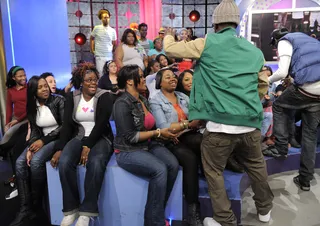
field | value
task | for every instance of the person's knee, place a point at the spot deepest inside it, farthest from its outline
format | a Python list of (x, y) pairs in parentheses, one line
[(65, 162), (268, 115), (159, 171), (98, 162), (173, 165), (21, 162), (36, 164)]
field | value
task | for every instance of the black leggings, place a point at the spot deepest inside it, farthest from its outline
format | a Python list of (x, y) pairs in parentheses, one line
[(189, 156)]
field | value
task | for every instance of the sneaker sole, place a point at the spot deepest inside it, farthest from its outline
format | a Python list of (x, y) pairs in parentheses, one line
[(300, 186), (12, 195)]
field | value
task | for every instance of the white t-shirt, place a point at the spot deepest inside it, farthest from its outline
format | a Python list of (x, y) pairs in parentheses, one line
[(151, 84), (285, 51), (103, 37), (85, 115), (45, 119)]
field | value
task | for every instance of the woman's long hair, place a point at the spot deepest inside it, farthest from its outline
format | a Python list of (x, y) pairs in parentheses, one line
[(180, 87), (12, 72), (32, 98)]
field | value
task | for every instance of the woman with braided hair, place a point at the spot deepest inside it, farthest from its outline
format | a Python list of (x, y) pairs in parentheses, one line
[(86, 138)]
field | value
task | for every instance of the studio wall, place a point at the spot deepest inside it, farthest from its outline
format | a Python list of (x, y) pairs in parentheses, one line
[(36, 37)]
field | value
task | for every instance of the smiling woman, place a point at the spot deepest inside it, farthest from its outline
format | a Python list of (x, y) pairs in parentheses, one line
[(86, 138), (45, 113)]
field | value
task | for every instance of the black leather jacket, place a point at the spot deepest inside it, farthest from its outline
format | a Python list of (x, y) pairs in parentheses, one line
[(56, 105)]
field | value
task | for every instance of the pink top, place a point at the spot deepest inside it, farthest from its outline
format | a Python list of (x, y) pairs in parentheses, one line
[(149, 122)]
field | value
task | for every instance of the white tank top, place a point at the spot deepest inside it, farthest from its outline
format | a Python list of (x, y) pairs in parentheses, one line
[(133, 55)]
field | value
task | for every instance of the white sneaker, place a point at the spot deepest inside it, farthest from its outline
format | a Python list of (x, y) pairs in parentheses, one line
[(209, 221), (69, 219), (83, 221), (13, 194), (265, 218)]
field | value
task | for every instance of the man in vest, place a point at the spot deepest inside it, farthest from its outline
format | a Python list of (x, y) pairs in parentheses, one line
[(225, 94), (299, 57)]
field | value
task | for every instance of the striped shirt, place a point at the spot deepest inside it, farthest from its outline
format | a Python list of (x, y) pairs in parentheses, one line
[(103, 37)]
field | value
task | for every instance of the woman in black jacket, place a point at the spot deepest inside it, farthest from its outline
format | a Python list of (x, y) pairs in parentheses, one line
[(86, 138), (45, 112)]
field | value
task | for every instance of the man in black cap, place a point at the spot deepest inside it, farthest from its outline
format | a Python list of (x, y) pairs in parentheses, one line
[(299, 57)]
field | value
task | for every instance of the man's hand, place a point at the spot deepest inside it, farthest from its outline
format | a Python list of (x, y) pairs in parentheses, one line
[(35, 146), (170, 31)]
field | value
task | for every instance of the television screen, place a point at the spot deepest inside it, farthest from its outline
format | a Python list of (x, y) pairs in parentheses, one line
[(263, 24)]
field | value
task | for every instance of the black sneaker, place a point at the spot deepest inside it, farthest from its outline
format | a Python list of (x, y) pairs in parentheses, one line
[(294, 143), (303, 185)]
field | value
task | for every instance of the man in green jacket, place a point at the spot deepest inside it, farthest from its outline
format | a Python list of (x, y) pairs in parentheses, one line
[(226, 93)]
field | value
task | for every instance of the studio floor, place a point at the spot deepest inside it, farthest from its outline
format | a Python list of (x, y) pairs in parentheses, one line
[(292, 207)]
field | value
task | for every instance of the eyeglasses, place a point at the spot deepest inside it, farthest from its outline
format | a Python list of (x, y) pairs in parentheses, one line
[(91, 80)]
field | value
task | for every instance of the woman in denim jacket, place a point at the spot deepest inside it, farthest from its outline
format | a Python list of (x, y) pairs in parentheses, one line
[(170, 109), (135, 149)]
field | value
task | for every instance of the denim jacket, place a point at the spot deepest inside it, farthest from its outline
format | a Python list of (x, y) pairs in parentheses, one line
[(164, 112), (129, 116)]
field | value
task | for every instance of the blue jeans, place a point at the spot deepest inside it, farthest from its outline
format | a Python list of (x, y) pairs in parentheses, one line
[(37, 163), (266, 122), (98, 159), (161, 168)]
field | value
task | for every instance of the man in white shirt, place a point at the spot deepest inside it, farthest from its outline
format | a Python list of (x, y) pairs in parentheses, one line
[(299, 57), (103, 40)]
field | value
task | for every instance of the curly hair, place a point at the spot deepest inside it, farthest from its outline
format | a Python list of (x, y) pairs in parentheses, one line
[(79, 72), (103, 11)]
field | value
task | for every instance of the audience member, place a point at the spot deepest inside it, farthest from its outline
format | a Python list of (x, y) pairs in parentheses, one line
[(190, 34), (135, 144), (86, 138), (45, 114), (153, 67), (103, 40), (49, 77), (130, 51), (147, 44), (15, 105), (153, 53), (170, 110), (16, 127)]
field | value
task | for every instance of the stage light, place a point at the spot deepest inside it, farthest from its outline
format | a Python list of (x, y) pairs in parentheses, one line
[(172, 16), (194, 16), (80, 39)]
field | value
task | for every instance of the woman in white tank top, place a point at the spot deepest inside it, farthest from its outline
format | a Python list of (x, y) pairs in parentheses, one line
[(130, 51)]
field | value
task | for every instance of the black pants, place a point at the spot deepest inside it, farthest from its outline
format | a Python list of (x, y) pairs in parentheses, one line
[(188, 153), (293, 99)]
